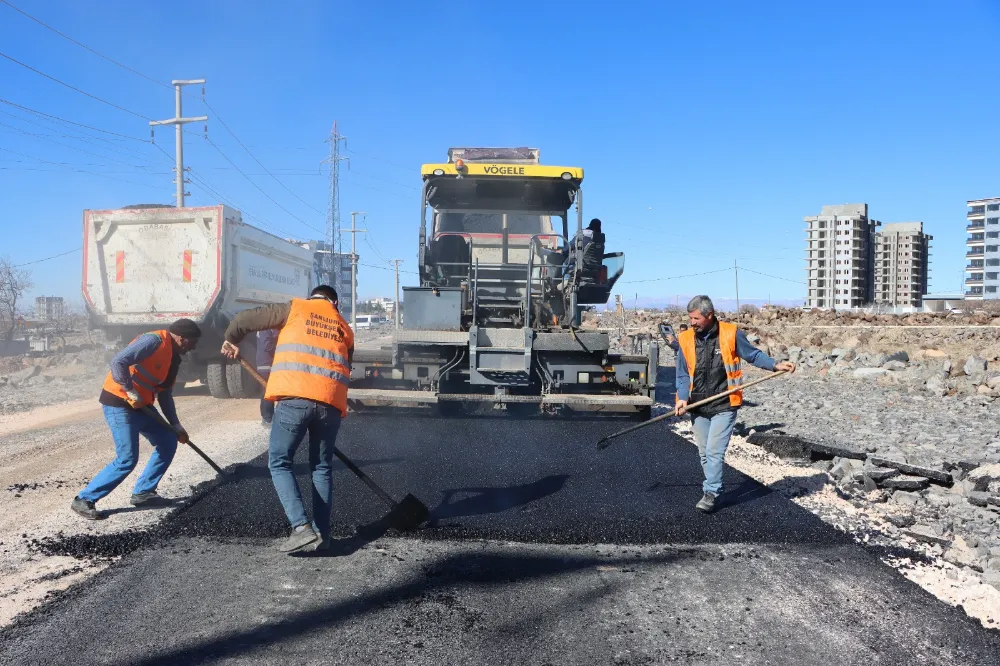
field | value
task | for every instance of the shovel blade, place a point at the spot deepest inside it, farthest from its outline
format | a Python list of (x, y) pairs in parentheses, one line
[(408, 514)]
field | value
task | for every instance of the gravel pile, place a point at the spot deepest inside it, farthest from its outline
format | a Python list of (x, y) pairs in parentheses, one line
[(948, 550), (32, 382)]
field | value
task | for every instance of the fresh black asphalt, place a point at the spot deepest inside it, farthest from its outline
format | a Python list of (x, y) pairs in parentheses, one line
[(540, 549)]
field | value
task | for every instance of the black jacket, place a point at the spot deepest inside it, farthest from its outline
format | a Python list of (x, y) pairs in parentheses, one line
[(709, 374)]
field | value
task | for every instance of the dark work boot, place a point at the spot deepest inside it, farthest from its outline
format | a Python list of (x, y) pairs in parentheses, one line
[(149, 499), (86, 509), (301, 537), (707, 503)]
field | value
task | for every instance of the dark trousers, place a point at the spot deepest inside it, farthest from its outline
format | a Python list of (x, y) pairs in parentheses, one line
[(266, 406), (266, 410)]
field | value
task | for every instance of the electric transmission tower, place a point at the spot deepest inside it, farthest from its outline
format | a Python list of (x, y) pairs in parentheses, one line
[(333, 212)]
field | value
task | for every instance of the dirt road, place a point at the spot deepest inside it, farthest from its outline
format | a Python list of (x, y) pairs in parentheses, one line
[(49, 453)]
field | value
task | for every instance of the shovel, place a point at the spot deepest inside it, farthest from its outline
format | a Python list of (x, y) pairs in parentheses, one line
[(404, 515), (605, 442), (151, 411)]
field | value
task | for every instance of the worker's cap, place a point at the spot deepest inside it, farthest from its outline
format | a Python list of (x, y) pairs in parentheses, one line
[(186, 329)]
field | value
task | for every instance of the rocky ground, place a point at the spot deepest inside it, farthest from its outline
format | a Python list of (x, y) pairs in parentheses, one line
[(905, 529), (889, 430), (74, 372)]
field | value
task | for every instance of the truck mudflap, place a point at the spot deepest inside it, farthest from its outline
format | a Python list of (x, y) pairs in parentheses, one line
[(390, 396)]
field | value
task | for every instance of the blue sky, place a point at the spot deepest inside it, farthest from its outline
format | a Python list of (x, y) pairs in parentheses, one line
[(707, 129)]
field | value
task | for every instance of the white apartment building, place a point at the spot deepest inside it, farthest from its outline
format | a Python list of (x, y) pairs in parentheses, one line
[(902, 256), (840, 257)]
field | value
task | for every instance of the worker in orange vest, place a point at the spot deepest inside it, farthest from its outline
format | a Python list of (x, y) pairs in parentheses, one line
[(308, 383), (142, 373), (709, 362)]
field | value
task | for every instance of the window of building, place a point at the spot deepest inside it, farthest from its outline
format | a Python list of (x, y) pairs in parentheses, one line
[(991, 289), (989, 262), (993, 234), (992, 248), (992, 206), (993, 220), (991, 276)]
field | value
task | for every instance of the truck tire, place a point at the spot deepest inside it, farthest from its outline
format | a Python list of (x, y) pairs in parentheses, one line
[(217, 381), (240, 383)]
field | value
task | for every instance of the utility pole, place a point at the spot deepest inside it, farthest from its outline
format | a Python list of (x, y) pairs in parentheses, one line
[(178, 121), (395, 310), (333, 211), (354, 231), (736, 272)]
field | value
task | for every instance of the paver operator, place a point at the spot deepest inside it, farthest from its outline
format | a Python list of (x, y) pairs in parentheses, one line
[(708, 363), (308, 383), (143, 372)]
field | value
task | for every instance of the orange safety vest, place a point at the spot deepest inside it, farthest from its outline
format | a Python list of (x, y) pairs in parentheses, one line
[(147, 375), (311, 356), (727, 347)]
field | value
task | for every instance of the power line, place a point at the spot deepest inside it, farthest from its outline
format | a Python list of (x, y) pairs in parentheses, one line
[(377, 159), (64, 120), (771, 276), (721, 270), (73, 88), (66, 145), (385, 268), (81, 164), (214, 191), (252, 182), (384, 180), (254, 157), (55, 256), (378, 189), (160, 83), (105, 173), (115, 148), (92, 173), (83, 46), (677, 277)]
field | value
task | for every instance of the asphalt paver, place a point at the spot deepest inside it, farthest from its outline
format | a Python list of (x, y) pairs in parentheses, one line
[(540, 549)]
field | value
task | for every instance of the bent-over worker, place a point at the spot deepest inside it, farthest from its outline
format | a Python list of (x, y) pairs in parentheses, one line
[(142, 373), (708, 363), (308, 383)]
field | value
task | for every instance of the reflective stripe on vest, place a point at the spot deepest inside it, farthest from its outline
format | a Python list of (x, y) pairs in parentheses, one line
[(147, 375), (733, 363), (727, 348), (315, 351), (311, 355), (312, 369)]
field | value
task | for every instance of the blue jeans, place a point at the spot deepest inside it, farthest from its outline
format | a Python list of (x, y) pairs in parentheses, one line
[(712, 434), (293, 419), (126, 425)]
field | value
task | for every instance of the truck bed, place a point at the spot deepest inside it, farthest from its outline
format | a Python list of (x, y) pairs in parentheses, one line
[(150, 266)]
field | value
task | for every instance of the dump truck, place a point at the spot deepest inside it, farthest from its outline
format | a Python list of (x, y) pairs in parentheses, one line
[(505, 275), (146, 266)]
